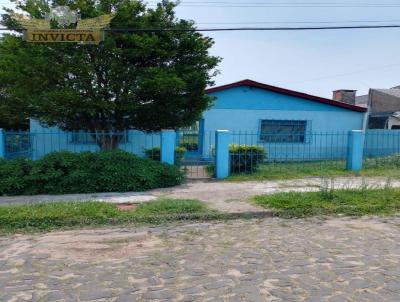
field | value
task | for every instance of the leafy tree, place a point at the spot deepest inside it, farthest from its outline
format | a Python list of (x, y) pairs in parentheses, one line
[(12, 113), (143, 80)]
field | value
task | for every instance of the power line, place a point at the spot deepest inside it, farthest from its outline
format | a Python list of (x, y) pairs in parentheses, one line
[(229, 4), (377, 3), (253, 28), (303, 22), (285, 2), (280, 4), (345, 74), (286, 6), (154, 30), (272, 6)]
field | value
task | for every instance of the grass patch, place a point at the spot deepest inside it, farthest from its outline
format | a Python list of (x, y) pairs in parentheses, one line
[(59, 215), (333, 202), (171, 206), (282, 171)]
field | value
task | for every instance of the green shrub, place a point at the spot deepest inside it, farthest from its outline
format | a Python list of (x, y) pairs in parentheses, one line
[(155, 154), (86, 172), (385, 161), (245, 158), (189, 141), (13, 175), (190, 146)]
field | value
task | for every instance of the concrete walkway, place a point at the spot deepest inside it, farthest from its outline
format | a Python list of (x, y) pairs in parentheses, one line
[(223, 196)]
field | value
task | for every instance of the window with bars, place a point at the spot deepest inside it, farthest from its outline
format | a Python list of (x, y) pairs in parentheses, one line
[(283, 131)]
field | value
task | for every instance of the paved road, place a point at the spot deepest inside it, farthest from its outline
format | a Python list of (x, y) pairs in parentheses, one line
[(243, 260)]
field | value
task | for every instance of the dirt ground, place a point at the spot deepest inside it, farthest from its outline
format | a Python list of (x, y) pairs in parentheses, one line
[(220, 195)]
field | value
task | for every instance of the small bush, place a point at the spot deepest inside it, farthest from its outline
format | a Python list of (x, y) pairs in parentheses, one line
[(245, 158), (386, 161), (86, 172), (190, 146), (155, 153), (13, 175)]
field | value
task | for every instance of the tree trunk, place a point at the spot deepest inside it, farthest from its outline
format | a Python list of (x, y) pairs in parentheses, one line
[(108, 141)]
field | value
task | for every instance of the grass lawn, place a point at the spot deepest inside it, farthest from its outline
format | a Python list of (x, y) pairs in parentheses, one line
[(348, 202), (283, 171), (58, 215)]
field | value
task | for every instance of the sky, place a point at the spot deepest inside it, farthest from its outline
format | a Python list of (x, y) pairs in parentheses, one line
[(315, 62)]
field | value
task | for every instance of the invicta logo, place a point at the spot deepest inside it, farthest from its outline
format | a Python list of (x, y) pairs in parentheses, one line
[(87, 31)]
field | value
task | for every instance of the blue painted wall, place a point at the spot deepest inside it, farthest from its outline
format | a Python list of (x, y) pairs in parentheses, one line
[(246, 105), (241, 109), (49, 139)]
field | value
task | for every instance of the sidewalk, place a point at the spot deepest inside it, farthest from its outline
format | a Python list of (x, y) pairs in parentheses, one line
[(219, 195)]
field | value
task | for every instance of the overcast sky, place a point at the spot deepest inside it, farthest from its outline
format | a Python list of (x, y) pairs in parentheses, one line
[(315, 62)]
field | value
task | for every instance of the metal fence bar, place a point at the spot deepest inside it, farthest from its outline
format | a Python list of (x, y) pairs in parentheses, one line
[(287, 151), (382, 149), (250, 151), (35, 145)]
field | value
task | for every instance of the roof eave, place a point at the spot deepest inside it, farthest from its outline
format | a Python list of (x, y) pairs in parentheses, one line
[(285, 91)]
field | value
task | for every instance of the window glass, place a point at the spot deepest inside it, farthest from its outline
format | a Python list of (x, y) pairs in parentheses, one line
[(283, 131)]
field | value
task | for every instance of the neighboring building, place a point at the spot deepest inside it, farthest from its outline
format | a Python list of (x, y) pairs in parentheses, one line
[(270, 115), (384, 108), (350, 97)]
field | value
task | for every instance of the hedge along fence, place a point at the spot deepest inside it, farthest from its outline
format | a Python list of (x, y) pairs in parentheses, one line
[(189, 146), (85, 172), (245, 158), (392, 161), (155, 154)]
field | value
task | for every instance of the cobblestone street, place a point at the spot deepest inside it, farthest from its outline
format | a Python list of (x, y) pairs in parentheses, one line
[(244, 260)]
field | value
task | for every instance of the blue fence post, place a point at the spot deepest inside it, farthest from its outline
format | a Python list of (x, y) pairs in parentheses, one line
[(355, 150), (168, 141), (2, 144), (221, 154)]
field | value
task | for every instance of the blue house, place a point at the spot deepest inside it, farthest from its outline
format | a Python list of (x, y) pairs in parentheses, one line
[(286, 122)]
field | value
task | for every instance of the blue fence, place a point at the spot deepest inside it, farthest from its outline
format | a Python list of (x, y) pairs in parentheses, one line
[(312, 151), (35, 145), (382, 149), (295, 147), (380, 143), (379, 147), (17, 144)]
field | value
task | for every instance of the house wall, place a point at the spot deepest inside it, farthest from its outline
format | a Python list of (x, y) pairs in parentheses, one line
[(49, 139), (241, 109), (383, 102)]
